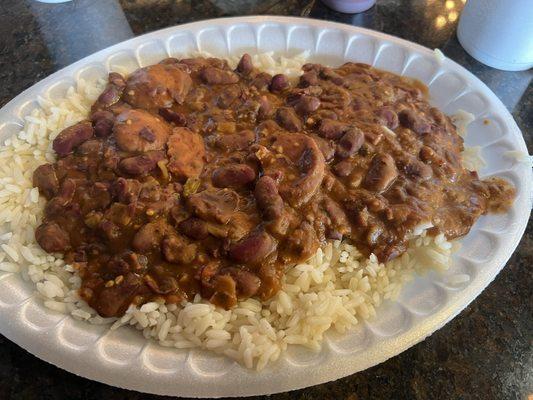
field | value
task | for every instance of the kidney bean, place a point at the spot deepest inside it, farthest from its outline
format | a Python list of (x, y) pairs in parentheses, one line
[(350, 143), (245, 65), (217, 76), (268, 198), (278, 83), (288, 119), (252, 248), (389, 116), (381, 174), (331, 129), (194, 228), (306, 104), (233, 176), (142, 164), (173, 116), (103, 123), (309, 78), (410, 119), (72, 137)]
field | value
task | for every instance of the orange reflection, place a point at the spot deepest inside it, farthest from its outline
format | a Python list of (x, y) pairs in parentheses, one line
[(449, 4), (440, 21), (452, 16)]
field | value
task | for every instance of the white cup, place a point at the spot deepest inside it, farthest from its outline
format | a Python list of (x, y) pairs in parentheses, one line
[(498, 33), (349, 6)]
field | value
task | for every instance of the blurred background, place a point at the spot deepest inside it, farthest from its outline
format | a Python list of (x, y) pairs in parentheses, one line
[(484, 353)]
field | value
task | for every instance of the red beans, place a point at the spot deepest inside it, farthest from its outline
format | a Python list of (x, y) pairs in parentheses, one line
[(389, 117), (288, 119), (331, 129), (233, 176), (72, 137), (381, 174), (245, 65), (268, 198), (173, 116), (309, 78), (350, 143), (278, 83), (103, 123), (306, 104), (142, 164), (252, 248), (217, 76), (410, 119)]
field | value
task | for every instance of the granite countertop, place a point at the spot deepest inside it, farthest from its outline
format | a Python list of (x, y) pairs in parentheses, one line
[(484, 353)]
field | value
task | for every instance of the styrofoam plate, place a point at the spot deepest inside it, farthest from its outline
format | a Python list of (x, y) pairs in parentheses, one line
[(124, 358)]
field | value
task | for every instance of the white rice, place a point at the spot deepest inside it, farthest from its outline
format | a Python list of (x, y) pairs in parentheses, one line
[(335, 289), (439, 56), (461, 119)]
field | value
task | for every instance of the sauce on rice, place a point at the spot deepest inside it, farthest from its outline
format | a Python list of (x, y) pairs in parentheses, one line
[(190, 178)]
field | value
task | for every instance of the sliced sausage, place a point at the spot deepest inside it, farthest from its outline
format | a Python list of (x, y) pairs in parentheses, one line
[(301, 166), (157, 86), (71, 137), (139, 130), (326, 146), (186, 151), (233, 176)]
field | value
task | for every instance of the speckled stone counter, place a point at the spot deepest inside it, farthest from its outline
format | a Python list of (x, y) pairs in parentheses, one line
[(484, 353)]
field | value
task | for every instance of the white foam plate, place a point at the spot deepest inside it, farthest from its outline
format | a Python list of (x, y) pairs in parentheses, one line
[(123, 358)]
